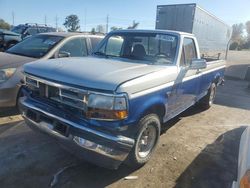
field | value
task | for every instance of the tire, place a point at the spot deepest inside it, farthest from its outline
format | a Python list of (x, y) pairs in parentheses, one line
[(146, 141), (207, 101)]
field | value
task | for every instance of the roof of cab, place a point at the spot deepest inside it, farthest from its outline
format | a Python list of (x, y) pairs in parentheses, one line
[(151, 31)]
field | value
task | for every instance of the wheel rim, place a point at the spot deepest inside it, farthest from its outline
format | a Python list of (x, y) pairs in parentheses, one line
[(212, 96), (147, 141)]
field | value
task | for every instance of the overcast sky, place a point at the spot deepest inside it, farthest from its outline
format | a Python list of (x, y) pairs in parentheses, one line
[(121, 13)]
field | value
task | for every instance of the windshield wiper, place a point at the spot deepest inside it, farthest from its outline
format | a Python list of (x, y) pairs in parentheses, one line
[(100, 53)]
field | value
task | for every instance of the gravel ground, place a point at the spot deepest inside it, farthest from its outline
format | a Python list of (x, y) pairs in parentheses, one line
[(198, 149)]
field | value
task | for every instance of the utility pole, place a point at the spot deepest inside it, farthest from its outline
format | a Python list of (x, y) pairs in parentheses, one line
[(56, 23), (85, 20), (107, 24), (45, 20), (13, 18)]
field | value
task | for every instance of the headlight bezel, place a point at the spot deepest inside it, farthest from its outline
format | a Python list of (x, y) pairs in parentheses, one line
[(120, 113), (6, 71)]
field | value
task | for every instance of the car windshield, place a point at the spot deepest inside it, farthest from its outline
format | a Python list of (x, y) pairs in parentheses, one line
[(35, 46), (18, 29), (151, 48)]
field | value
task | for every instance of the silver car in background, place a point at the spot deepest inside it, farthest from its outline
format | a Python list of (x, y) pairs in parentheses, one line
[(41, 46)]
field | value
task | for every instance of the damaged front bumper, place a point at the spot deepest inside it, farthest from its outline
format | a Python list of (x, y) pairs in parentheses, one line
[(93, 145)]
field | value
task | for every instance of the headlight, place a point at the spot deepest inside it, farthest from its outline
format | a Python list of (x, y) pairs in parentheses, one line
[(107, 107), (5, 74)]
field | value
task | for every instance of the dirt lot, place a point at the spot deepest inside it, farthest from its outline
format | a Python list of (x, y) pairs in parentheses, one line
[(197, 149), (237, 64)]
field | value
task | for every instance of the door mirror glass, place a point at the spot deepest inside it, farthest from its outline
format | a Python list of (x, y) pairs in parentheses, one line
[(198, 64), (62, 54)]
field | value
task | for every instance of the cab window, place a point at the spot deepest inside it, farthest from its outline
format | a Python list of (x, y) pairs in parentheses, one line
[(188, 52), (75, 47)]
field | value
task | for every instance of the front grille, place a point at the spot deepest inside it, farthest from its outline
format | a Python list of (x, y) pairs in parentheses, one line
[(58, 93)]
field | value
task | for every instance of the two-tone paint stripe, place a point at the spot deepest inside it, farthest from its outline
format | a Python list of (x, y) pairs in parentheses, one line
[(169, 84)]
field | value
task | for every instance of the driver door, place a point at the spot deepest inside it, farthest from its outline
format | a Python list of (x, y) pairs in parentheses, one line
[(190, 79)]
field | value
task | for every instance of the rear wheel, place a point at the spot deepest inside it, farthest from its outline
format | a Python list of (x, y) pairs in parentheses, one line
[(146, 141), (208, 100)]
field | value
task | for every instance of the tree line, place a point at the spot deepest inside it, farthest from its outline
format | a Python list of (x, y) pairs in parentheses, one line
[(72, 24), (240, 36)]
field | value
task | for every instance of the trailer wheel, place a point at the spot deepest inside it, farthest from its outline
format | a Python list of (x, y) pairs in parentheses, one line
[(208, 100), (146, 141)]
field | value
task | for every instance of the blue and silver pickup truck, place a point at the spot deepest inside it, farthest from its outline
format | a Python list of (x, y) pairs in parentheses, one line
[(110, 108)]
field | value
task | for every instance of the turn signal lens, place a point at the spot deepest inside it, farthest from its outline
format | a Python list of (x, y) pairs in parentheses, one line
[(121, 114), (107, 114), (245, 180)]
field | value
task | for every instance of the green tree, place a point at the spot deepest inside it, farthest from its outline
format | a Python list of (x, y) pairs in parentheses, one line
[(92, 31), (248, 29), (4, 25), (237, 31), (72, 22), (100, 29), (234, 46)]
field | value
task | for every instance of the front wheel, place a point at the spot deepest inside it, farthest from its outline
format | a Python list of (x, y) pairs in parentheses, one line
[(146, 141)]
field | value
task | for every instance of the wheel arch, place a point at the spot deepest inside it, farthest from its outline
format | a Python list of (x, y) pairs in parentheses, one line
[(216, 78), (155, 105)]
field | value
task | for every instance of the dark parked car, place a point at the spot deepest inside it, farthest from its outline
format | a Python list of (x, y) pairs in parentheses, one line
[(41, 46), (19, 32)]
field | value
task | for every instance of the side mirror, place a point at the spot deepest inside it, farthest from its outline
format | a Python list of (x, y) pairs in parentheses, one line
[(198, 64), (26, 34), (62, 54)]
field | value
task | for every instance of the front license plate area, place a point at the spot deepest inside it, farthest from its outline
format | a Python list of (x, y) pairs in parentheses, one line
[(56, 127)]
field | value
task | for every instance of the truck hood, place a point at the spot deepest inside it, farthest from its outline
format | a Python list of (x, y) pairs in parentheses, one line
[(90, 72), (7, 32), (13, 61)]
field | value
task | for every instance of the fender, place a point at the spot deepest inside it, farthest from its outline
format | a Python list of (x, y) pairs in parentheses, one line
[(142, 105)]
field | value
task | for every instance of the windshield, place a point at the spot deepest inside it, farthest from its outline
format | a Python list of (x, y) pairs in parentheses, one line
[(153, 48), (35, 46), (18, 29)]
